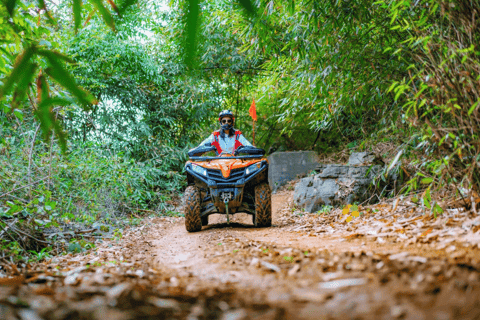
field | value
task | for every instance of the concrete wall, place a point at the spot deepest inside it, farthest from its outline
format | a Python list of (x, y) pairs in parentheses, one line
[(286, 166)]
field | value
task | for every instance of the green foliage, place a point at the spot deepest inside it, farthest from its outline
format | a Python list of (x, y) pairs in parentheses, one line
[(439, 96), (33, 66), (328, 70), (325, 209), (84, 182)]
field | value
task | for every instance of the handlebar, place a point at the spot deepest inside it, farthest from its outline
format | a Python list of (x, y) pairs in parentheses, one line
[(218, 158)]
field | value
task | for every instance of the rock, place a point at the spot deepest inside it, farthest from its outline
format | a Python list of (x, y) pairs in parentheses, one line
[(238, 314), (363, 159), (337, 284), (334, 185)]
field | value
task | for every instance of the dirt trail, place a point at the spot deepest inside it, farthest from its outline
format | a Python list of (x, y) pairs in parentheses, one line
[(313, 277), (305, 266)]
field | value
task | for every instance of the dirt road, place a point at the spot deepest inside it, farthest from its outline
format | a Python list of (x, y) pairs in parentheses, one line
[(311, 277), (303, 267)]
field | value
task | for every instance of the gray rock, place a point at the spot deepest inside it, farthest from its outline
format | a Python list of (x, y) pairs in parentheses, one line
[(361, 158), (335, 185), (334, 171)]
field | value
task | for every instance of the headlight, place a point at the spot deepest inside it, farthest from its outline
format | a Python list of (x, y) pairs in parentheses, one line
[(254, 167), (199, 170)]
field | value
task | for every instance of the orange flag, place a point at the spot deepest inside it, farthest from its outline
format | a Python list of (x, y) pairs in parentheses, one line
[(253, 111)]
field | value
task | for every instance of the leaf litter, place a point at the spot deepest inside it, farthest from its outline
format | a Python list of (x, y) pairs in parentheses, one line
[(410, 275)]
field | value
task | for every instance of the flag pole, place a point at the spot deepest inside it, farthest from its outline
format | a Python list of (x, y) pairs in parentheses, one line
[(253, 132), (253, 113)]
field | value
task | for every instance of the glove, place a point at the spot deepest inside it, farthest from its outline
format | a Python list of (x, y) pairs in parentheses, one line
[(195, 152), (249, 150)]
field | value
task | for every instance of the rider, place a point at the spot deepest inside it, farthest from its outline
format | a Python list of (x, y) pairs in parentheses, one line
[(227, 139)]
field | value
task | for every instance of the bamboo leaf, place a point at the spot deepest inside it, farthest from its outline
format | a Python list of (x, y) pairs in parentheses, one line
[(125, 5), (63, 77), (472, 108), (248, 5), (107, 17), (24, 83), (395, 160), (77, 13), (190, 45), (47, 119), (57, 54), (426, 180), (21, 66), (10, 5)]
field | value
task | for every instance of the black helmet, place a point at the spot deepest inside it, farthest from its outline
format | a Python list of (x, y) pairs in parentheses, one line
[(226, 113)]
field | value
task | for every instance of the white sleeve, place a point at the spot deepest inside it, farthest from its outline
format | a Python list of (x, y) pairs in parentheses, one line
[(210, 139), (244, 141)]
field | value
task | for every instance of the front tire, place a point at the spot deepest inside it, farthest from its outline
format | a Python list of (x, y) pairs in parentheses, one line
[(193, 222), (263, 206)]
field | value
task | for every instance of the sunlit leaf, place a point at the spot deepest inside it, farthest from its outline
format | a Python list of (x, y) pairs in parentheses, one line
[(18, 114), (426, 180)]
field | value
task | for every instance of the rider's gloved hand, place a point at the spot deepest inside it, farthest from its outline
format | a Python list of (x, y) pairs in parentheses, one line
[(238, 150)]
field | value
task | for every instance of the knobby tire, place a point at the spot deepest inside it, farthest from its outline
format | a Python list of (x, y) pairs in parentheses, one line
[(193, 222), (263, 205)]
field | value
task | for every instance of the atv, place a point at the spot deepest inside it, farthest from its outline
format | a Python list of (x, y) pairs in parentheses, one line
[(227, 184)]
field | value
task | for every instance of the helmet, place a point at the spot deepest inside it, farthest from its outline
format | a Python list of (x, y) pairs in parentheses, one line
[(226, 113)]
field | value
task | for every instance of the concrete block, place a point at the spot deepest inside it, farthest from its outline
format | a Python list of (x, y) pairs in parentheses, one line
[(286, 166)]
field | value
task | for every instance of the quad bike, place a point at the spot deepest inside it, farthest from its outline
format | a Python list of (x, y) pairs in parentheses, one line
[(227, 184)]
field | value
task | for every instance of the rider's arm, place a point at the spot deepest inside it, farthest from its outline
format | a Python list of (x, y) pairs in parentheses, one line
[(244, 141), (210, 139)]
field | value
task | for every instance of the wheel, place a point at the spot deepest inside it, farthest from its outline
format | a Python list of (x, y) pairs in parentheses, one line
[(205, 221), (193, 221), (263, 206)]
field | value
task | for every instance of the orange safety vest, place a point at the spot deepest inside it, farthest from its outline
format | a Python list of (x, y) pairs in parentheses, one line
[(216, 142)]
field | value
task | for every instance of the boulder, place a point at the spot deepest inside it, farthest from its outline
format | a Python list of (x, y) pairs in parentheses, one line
[(334, 185), (364, 158)]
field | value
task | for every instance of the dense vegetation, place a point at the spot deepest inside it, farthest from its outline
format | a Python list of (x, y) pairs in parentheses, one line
[(96, 115)]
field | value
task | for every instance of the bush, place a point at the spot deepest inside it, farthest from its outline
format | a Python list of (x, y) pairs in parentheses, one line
[(440, 96), (83, 182)]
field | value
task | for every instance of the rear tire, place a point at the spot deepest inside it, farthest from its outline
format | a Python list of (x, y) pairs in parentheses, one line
[(263, 206), (193, 221)]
